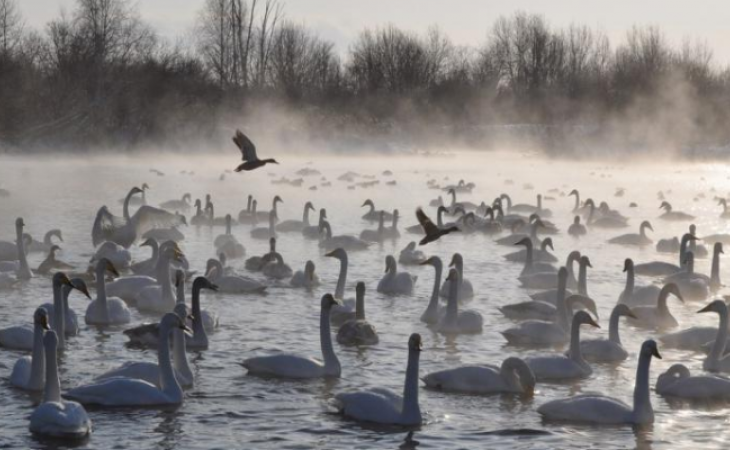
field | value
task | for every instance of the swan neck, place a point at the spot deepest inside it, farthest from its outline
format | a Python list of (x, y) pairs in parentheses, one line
[(630, 281), (718, 347), (180, 293), (125, 208), (562, 308), (341, 279), (24, 271), (613, 321), (528, 256), (52, 392), (642, 402), (198, 328), (305, 216), (434, 303), (411, 410), (59, 319), (331, 363), (360, 306), (38, 361), (575, 353), (452, 307), (715, 270), (179, 355), (440, 218), (168, 382), (101, 290), (583, 280), (163, 276)]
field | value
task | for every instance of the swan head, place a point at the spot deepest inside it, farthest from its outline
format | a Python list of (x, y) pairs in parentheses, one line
[(587, 302), (411, 246), (665, 205), (670, 288), (717, 248), (590, 202), (717, 306), (309, 270), (675, 373), (198, 203), (323, 213), (52, 251), (457, 260), (574, 192), (222, 258), (623, 310), (369, 203), (40, 318), (171, 320), (576, 220), (396, 214), (434, 261), (585, 262), (149, 242), (272, 244), (57, 233), (360, 289), (415, 343), (204, 283), (693, 229), (277, 199), (104, 265), (453, 276), (526, 377), (628, 264), (187, 197), (136, 190), (547, 242), (583, 318), (650, 348), (338, 253), (80, 285), (308, 206), (562, 274), (328, 301), (19, 223), (647, 224), (390, 264)]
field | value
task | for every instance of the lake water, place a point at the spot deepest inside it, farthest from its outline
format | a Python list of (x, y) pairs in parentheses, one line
[(228, 409)]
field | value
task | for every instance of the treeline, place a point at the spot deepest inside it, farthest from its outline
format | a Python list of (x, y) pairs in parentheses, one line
[(100, 77)]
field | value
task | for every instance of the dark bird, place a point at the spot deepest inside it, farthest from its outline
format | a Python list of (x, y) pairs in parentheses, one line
[(433, 232), (248, 150)]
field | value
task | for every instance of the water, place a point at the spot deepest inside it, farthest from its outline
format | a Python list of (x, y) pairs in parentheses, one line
[(228, 409)]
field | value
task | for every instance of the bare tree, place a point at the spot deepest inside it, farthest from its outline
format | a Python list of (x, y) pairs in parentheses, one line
[(11, 26)]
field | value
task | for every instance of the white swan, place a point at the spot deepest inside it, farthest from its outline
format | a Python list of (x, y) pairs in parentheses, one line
[(103, 310), (433, 312), (577, 229), (379, 405), (633, 238), (657, 316), (678, 383), (45, 245), (127, 229), (358, 331), (531, 266), (305, 278), (559, 367), (231, 284), (394, 282), (692, 285), (228, 244), (673, 215), (121, 392), (286, 365), (277, 268), (178, 205), (455, 321), (466, 290), (313, 231), (118, 255), (22, 270), (55, 417), (150, 371), (539, 310), (637, 296), (342, 312), (410, 255), (29, 372), (611, 349), (296, 226), (717, 361), (372, 215), (256, 263), (266, 232), (70, 317), (345, 241), (599, 409), (159, 297), (513, 377), (661, 268), (51, 263)]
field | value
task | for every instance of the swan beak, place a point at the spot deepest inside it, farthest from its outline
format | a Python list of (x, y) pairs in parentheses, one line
[(631, 314), (593, 323), (44, 323), (111, 269), (81, 288), (707, 308), (330, 254), (213, 287), (655, 353), (425, 263)]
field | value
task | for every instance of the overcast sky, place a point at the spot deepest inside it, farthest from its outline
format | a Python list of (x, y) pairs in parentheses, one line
[(465, 21)]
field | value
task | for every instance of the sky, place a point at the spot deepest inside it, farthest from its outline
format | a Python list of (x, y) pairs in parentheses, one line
[(466, 22)]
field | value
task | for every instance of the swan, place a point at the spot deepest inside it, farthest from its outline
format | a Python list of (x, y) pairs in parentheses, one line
[(178, 205), (700, 251), (516, 236), (376, 235), (513, 377), (247, 216), (657, 316), (677, 382), (605, 221), (29, 371), (148, 335), (266, 232), (577, 208), (296, 226), (668, 245), (433, 312), (538, 254), (611, 349), (9, 251), (392, 232), (346, 241), (228, 244), (455, 321), (372, 215), (358, 331), (159, 298), (51, 263), (693, 286), (118, 255), (150, 371), (410, 255), (599, 409), (341, 313), (201, 217), (394, 282), (45, 245), (543, 311), (265, 215), (673, 215), (559, 367), (725, 212), (18, 253), (530, 265), (128, 392), (490, 226), (137, 201), (55, 417), (551, 295), (256, 263), (577, 229), (69, 315), (103, 310), (277, 268), (313, 231), (147, 267), (633, 238), (661, 268), (379, 405), (717, 361), (305, 278), (466, 290), (125, 230), (548, 280), (208, 319), (286, 365), (633, 295), (231, 284), (166, 234)]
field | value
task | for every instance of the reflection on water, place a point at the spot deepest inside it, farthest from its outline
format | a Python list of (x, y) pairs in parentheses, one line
[(228, 409)]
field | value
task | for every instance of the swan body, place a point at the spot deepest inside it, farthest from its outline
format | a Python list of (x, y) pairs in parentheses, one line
[(305, 278), (232, 284), (29, 372), (299, 367), (296, 226), (466, 290), (411, 256), (382, 406), (678, 383), (611, 349), (115, 253), (346, 241), (692, 285), (657, 316), (637, 296), (178, 205), (277, 269), (394, 282), (513, 377), (671, 215), (639, 239), (577, 229), (599, 409), (56, 418), (103, 310), (455, 321), (358, 331)]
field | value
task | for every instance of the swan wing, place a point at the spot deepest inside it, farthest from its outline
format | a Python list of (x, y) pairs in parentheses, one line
[(587, 408), (119, 392), (375, 405), (60, 419), (148, 218), (105, 224), (248, 150), (284, 366)]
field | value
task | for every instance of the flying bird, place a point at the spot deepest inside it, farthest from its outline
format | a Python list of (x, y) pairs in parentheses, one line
[(248, 150), (433, 233)]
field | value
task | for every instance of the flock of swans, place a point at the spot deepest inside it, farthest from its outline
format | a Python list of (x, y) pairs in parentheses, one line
[(555, 308)]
